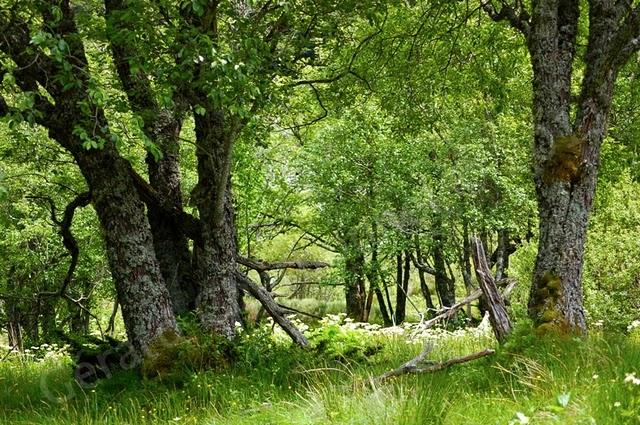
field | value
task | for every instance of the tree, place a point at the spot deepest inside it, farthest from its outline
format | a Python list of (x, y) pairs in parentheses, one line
[(569, 129), (46, 58)]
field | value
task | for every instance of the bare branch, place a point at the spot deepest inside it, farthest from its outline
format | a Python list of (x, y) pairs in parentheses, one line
[(259, 266), (414, 365), (274, 310)]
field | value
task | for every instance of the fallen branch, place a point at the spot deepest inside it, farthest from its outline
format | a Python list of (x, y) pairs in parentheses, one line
[(261, 266), (274, 310), (449, 312), (414, 365)]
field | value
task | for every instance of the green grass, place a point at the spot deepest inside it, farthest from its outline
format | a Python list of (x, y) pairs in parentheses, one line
[(548, 381)]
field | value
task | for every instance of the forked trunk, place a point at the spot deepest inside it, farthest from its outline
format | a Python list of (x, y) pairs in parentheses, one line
[(215, 256)]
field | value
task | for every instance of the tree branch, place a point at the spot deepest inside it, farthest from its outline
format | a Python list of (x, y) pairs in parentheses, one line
[(274, 310), (518, 19), (414, 365), (261, 266)]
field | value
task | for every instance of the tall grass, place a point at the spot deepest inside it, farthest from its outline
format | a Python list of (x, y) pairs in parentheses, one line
[(530, 380)]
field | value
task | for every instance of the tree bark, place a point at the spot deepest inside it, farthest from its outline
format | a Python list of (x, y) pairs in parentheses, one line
[(402, 287), (74, 120), (144, 299), (566, 157), (566, 151), (215, 260), (162, 126)]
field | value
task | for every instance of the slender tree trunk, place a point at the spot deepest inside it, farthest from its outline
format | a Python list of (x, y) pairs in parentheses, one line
[(373, 276), (445, 286), (355, 292), (465, 265), (426, 293), (402, 287)]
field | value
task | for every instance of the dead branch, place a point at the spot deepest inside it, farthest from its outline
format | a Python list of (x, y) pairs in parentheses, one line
[(495, 302), (448, 313), (273, 308), (419, 364), (261, 266)]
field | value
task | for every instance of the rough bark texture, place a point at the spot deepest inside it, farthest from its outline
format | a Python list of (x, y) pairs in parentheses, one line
[(215, 262), (566, 157), (145, 302), (567, 151), (144, 299), (162, 127), (171, 245)]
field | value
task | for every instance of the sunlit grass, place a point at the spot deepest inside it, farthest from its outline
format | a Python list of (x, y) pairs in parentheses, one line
[(530, 380)]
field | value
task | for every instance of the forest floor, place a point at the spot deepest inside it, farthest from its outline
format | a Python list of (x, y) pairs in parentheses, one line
[(528, 381)]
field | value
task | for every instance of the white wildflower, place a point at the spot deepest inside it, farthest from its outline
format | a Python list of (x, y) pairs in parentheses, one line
[(633, 325), (631, 378)]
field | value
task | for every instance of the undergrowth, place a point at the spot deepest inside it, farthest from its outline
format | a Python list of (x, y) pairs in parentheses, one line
[(265, 380)]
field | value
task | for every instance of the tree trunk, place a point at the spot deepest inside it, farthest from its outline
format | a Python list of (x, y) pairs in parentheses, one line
[(445, 285), (146, 307), (426, 293), (373, 276), (162, 127), (355, 290), (566, 155), (75, 121), (402, 286), (215, 257), (465, 265), (171, 245)]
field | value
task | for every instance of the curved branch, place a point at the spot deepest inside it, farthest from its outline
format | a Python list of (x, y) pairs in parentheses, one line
[(517, 17)]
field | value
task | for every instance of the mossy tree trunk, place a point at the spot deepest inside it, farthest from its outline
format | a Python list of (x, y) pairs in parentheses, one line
[(215, 255), (162, 126), (76, 121), (568, 134)]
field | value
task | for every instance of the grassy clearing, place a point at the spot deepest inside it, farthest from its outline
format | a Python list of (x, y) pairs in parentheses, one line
[(530, 380)]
